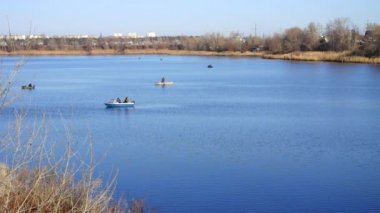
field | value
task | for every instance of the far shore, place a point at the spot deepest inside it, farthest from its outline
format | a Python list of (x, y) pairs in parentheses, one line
[(341, 57)]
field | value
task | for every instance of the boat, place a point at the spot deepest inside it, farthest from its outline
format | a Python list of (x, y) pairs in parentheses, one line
[(115, 103), (164, 83), (29, 86)]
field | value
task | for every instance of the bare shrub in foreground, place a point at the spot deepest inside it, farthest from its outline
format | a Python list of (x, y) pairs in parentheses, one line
[(34, 179)]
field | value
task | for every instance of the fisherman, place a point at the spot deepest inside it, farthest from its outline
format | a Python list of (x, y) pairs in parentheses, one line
[(118, 100), (162, 80), (30, 85), (126, 99)]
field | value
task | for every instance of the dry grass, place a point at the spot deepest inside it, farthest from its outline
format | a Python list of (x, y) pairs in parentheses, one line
[(42, 190), (34, 179), (341, 57)]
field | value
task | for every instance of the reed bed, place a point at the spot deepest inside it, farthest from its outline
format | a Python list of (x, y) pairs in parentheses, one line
[(341, 57)]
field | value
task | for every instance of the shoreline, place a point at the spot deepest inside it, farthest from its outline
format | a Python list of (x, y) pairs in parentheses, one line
[(128, 52), (340, 57)]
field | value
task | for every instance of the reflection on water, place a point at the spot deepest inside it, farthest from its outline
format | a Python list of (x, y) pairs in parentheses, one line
[(120, 110), (252, 135)]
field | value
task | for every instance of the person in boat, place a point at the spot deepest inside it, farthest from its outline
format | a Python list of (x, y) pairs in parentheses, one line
[(126, 99), (30, 85), (162, 80), (118, 100)]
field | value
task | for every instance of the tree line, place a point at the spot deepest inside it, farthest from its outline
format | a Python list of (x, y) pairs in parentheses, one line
[(337, 35)]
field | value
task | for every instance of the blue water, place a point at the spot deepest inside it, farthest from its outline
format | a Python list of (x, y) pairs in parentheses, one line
[(248, 135)]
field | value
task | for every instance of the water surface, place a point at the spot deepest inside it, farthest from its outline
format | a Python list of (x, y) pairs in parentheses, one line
[(248, 135)]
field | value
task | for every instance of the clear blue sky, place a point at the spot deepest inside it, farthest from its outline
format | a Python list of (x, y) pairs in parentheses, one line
[(177, 17)]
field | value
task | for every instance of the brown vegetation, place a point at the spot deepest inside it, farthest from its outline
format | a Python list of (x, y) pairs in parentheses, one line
[(330, 56), (35, 179), (341, 57)]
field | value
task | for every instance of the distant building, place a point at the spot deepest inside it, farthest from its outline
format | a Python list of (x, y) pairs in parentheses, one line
[(151, 35), (34, 36), (71, 36), (323, 39), (118, 35), (17, 37), (257, 48), (132, 35)]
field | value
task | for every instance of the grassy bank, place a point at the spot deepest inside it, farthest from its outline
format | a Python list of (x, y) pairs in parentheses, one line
[(341, 57)]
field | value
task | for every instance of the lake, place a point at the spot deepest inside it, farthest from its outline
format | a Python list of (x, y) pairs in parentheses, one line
[(249, 135)]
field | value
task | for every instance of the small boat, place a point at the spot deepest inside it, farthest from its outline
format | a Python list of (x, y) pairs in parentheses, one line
[(115, 103), (29, 87), (164, 83), (210, 66)]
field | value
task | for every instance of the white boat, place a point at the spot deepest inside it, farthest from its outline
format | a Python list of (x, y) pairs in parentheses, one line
[(114, 103), (164, 83)]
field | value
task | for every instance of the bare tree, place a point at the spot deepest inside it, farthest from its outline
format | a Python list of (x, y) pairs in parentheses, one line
[(339, 34), (88, 45), (292, 40), (274, 43), (52, 44), (311, 37), (234, 42), (371, 46)]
